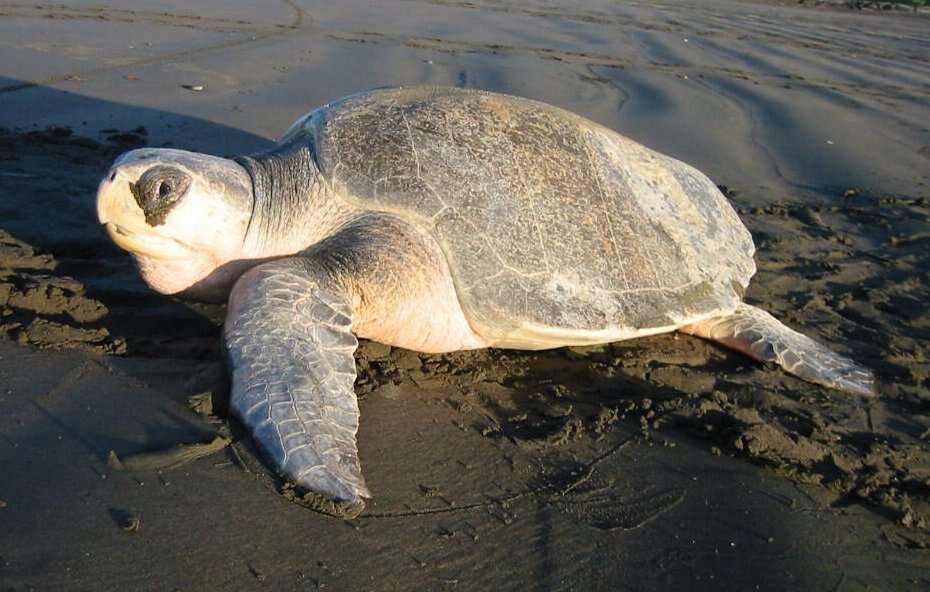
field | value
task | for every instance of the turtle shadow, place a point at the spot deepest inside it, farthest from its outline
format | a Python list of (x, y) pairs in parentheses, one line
[(548, 399), (65, 286), (560, 400), (49, 179)]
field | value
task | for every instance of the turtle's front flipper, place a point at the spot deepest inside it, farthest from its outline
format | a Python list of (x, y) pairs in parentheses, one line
[(290, 349), (761, 336), (290, 344)]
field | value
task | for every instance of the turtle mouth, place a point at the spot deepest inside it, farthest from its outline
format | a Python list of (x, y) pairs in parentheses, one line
[(146, 243)]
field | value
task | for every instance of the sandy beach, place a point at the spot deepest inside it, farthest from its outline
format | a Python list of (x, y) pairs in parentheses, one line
[(662, 463)]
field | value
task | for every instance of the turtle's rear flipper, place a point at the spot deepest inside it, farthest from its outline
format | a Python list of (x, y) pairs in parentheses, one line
[(760, 335)]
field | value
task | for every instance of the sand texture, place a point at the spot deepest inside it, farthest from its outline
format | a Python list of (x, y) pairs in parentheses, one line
[(664, 463)]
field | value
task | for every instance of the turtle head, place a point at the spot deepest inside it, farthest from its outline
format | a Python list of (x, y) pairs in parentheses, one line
[(182, 215)]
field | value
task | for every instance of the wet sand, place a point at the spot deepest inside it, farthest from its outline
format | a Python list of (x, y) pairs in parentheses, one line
[(663, 463)]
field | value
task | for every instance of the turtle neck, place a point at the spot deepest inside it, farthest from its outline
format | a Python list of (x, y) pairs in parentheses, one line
[(292, 204)]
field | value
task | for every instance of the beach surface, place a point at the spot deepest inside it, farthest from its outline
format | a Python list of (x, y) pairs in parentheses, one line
[(663, 463)]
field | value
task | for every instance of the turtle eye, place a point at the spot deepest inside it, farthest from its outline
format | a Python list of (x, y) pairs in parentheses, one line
[(158, 190)]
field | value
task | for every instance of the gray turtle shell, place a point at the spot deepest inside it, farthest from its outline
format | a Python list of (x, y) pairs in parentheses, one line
[(556, 230)]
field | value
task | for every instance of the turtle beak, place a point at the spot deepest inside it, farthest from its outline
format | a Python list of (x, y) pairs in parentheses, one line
[(114, 210), (125, 222), (110, 206)]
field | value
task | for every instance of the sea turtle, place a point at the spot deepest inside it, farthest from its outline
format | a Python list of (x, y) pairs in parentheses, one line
[(435, 219)]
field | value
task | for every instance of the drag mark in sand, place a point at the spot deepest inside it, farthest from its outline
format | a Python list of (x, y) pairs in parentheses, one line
[(575, 496), (70, 381), (253, 34), (118, 15), (596, 59)]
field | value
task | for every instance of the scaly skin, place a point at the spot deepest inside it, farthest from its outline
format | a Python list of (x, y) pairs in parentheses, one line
[(290, 348)]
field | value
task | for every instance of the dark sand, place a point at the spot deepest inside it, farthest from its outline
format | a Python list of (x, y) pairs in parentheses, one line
[(660, 464)]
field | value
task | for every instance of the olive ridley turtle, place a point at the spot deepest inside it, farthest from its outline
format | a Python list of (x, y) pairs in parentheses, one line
[(435, 219)]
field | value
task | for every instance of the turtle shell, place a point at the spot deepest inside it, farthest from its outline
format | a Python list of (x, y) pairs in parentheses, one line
[(556, 229)]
